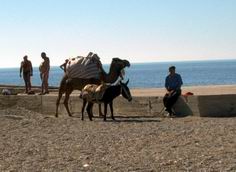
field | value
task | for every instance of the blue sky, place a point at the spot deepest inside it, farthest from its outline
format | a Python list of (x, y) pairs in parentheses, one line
[(137, 30)]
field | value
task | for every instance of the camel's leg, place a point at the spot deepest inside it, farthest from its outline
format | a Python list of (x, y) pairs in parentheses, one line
[(84, 104), (100, 110), (111, 108), (66, 101), (105, 112), (58, 102), (61, 92)]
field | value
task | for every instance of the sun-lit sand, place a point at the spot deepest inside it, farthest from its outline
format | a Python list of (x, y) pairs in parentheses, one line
[(140, 92), (197, 90), (32, 141)]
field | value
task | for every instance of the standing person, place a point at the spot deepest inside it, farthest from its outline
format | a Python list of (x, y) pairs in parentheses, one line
[(44, 73), (63, 66), (26, 67), (173, 85)]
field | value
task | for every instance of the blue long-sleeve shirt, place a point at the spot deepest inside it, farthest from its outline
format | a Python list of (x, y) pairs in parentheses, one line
[(173, 82)]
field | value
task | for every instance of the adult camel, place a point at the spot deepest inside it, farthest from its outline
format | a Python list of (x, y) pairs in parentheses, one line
[(68, 84)]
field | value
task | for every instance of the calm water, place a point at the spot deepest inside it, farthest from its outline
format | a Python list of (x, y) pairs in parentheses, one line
[(149, 75)]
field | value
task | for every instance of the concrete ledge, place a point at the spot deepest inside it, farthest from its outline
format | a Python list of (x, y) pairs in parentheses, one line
[(204, 106), (217, 106)]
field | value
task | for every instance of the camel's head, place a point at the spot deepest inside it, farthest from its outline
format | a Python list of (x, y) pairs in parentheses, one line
[(119, 64)]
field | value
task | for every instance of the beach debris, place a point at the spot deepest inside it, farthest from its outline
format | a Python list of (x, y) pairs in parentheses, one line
[(186, 96), (85, 165), (6, 91)]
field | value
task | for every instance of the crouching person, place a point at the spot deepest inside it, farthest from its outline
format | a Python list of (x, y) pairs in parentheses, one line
[(173, 85)]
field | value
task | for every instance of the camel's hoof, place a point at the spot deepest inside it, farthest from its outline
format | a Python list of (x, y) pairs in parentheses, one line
[(56, 116), (113, 119)]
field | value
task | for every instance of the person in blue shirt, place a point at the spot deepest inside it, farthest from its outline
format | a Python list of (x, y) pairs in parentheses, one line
[(173, 85)]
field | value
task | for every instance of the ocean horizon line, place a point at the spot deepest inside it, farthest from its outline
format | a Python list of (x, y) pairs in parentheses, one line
[(147, 75), (152, 62)]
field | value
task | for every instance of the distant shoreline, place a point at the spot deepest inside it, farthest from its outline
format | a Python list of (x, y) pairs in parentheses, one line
[(196, 90), (147, 75), (150, 92)]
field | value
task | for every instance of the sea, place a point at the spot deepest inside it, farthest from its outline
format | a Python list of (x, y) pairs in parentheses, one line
[(147, 75)]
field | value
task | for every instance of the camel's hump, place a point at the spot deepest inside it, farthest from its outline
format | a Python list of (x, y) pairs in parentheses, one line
[(84, 67)]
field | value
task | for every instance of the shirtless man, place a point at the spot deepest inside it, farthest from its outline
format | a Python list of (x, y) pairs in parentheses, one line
[(27, 69), (63, 66), (44, 73)]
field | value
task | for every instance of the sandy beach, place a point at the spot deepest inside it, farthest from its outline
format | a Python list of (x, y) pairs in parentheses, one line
[(49, 48), (196, 90), (140, 92), (32, 141)]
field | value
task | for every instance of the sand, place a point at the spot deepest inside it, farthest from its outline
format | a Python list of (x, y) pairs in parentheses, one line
[(34, 142), (197, 90), (37, 142)]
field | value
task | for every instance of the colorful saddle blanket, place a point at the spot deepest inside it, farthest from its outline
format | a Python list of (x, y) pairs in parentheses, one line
[(84, 67)]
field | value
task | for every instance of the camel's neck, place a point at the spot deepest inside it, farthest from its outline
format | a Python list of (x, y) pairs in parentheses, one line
[(112, 76)]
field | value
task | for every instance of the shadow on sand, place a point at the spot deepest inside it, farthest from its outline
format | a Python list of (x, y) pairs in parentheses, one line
[(135, 119)]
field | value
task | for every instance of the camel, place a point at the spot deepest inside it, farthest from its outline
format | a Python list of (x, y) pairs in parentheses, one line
[(68, 85)]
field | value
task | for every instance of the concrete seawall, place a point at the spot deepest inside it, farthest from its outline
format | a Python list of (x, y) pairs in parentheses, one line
[(204, 106)]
